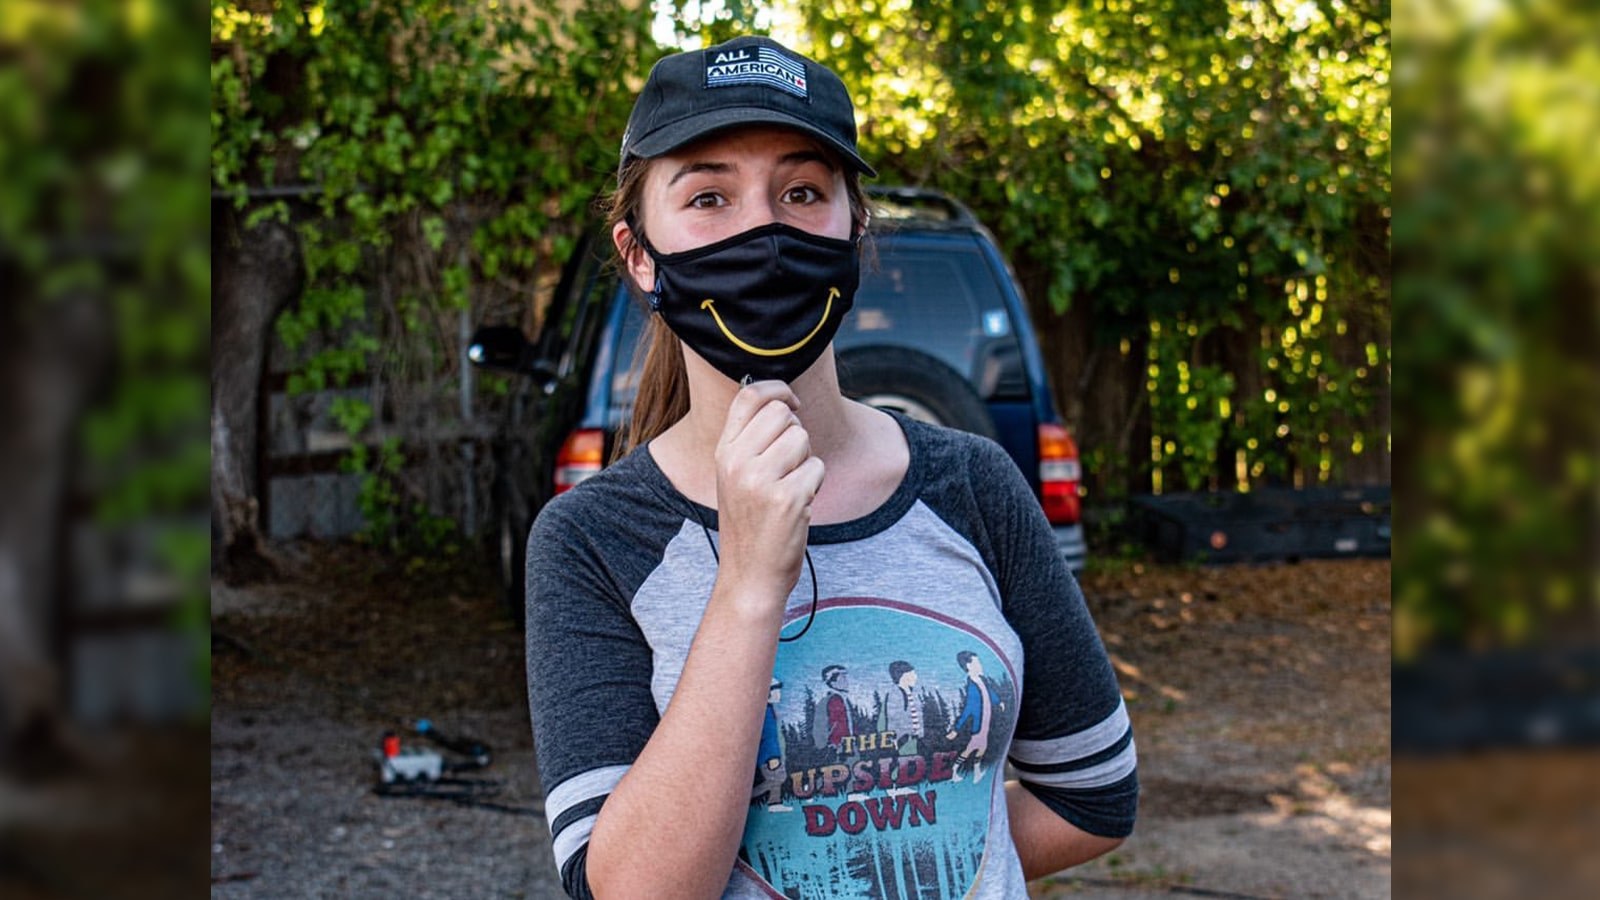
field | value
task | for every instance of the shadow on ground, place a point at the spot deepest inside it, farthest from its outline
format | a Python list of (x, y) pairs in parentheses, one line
[(1260, 701)]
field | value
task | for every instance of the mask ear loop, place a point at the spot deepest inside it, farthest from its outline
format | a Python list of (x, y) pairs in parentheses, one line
[(812, 616), (810, 567), (652, 296)]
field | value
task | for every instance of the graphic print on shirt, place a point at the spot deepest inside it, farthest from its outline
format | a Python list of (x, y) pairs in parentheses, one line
[(879, 760)]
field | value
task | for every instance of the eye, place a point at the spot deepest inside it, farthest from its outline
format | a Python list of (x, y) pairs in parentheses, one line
[(707, 200), (802, 194)]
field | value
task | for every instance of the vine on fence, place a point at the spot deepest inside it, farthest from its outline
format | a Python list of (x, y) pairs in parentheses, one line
[(450, 150)]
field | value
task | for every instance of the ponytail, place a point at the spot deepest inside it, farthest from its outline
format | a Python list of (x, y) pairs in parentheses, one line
[(662, 397), (663, 394)]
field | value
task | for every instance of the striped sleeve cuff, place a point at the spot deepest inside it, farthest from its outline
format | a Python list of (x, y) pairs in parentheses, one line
[(1100, 755), (572, 806)]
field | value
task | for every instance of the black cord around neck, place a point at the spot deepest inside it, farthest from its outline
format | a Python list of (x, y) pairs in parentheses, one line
[(809, 567)]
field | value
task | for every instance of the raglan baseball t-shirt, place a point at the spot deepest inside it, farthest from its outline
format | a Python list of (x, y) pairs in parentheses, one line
[(955, 578)]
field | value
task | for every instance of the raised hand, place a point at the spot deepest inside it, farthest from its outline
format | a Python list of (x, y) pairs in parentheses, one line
[(766, 480)]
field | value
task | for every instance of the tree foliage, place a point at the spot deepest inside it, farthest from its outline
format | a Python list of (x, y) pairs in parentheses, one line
[(1201, 189), (449, 152), (1196, 174), (102, 233), (1497, 237)]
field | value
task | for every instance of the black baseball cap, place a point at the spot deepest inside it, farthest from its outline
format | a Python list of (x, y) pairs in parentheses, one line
[(746, 81)]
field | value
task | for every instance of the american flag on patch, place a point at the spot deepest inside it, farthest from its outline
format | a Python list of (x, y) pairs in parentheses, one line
[(769, 67), (793, 67)]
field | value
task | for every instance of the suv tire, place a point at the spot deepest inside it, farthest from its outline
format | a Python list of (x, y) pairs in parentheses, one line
[(916, 384)]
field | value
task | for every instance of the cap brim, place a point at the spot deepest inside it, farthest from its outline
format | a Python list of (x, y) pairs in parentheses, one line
[(671, 136)]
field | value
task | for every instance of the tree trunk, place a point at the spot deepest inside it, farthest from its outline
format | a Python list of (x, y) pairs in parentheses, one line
[(256, 273), (52, 357)]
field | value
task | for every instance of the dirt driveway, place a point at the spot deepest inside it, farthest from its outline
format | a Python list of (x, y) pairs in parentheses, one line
[(1260, 701), (1260, 698)]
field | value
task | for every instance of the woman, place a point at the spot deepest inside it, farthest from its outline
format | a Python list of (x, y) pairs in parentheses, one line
[(764, 528)]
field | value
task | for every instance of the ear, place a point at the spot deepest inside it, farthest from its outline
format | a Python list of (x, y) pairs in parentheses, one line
[(641, 268)]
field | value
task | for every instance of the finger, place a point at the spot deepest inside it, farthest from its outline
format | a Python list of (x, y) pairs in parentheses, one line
[(751, 399), (787, 450), (807, 477), (765, 427), (780, 389)]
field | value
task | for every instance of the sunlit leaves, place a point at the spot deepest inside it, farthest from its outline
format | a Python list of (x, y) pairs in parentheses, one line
[(1172, 163)]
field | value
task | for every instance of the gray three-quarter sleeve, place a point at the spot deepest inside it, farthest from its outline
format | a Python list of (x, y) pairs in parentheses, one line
[(1073, 746)]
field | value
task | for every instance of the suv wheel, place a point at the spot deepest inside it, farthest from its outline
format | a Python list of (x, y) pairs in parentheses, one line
[(915, 384)]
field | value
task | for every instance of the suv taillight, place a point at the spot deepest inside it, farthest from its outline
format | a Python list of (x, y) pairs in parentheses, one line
[(581, 455), (1058, 475)]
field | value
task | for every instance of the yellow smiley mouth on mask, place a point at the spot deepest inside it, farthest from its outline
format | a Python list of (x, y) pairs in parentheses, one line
[(710, 305)]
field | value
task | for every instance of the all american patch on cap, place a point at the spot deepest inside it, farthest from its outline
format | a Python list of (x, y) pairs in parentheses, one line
[(756, 65)]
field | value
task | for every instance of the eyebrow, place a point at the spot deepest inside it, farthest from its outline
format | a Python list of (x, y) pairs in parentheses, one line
[(798, 157), (692, 168)]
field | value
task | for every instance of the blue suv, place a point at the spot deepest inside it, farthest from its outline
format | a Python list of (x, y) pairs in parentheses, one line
[(939, 332)]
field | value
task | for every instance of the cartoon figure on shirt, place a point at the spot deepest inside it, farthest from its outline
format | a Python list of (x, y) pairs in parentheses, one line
[(977, 714), (902, 708), (832, 724), (770, 772)]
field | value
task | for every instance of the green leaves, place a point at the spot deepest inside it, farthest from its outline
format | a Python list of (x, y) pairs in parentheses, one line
[(1496, 230), (1159, 167), (351, 414), (452, 155), (1178, 165)]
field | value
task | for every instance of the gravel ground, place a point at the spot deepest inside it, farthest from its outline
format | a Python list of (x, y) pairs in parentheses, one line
[(307, 673), (1259, 696)]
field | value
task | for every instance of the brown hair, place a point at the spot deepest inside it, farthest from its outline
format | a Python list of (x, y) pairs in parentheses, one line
[(663, 394)]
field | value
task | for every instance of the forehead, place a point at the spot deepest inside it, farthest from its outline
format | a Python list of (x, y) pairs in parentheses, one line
[(752, 143)]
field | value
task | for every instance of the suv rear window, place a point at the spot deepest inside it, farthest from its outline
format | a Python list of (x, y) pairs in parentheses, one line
[(942, 298)]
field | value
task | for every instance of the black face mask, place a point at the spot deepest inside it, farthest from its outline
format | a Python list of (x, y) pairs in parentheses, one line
[(762, 304)]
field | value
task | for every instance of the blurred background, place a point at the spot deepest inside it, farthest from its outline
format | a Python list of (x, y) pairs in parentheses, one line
[(1196, 195), (1497, 560), (104, 291)]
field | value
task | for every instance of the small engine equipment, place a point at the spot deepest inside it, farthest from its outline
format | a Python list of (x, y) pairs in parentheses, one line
[(396, 763)]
